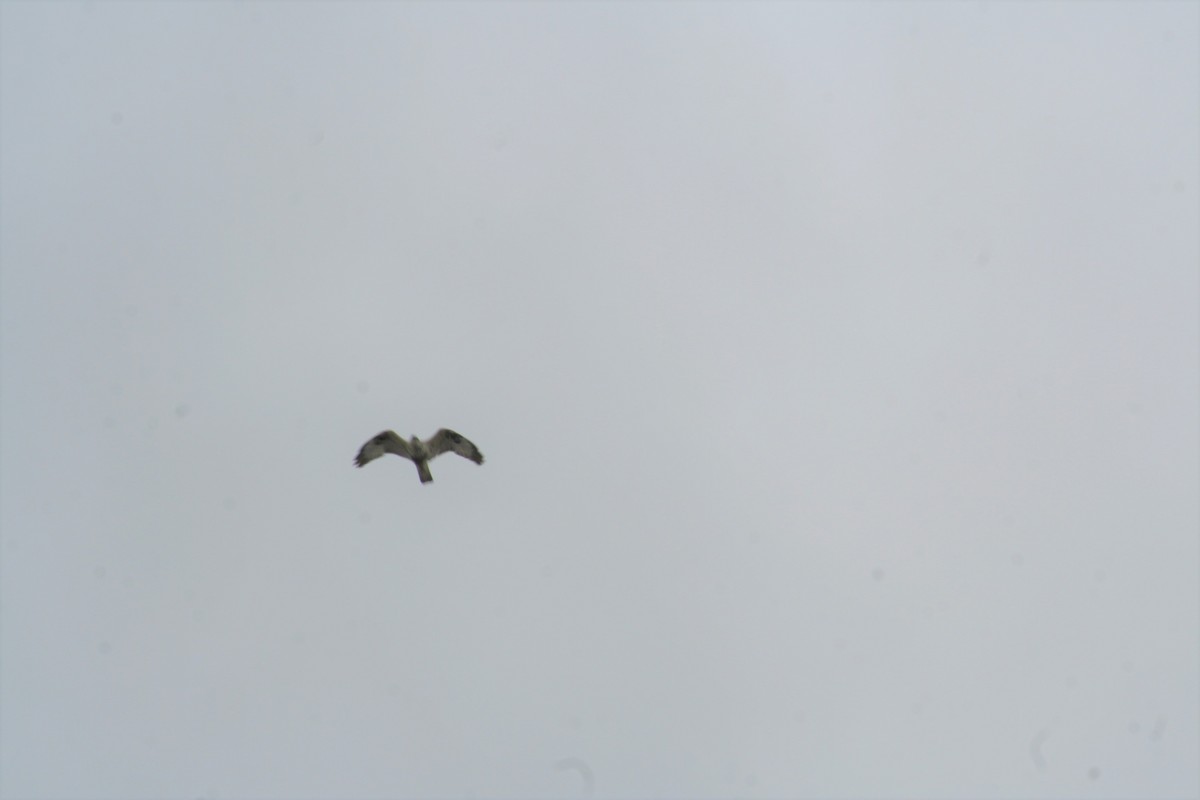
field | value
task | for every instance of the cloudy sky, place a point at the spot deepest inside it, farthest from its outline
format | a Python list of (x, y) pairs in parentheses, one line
[(836, 367)]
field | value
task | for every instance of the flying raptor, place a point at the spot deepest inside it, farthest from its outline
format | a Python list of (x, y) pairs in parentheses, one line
[(417, 451)]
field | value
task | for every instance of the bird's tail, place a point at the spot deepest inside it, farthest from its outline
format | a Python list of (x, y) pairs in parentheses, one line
[(423, 471)]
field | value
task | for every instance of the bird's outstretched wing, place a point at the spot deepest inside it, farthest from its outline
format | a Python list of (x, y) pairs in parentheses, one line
[(376, 446), (447, 441)]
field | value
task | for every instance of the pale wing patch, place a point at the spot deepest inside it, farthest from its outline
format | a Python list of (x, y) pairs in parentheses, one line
[(447, 441), (381, 444)]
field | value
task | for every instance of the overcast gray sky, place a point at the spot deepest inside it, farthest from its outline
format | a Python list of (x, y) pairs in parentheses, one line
[(836, 367)]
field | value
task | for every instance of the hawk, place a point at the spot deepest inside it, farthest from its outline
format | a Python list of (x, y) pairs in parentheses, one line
[(417, 451)]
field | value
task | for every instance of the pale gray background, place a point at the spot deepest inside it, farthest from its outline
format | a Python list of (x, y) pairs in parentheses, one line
[(836, 366)]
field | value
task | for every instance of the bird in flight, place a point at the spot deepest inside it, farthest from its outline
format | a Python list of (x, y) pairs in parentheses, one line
[(417, 451)]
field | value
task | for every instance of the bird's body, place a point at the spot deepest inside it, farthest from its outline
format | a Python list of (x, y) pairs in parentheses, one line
[(417, 451)]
